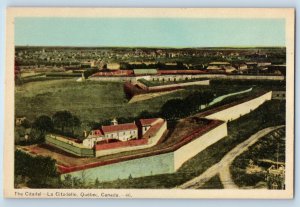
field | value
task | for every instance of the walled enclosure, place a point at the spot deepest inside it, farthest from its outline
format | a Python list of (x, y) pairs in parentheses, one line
[(172, 161)]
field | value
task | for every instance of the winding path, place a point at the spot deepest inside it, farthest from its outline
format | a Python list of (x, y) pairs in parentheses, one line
[(222, 167)]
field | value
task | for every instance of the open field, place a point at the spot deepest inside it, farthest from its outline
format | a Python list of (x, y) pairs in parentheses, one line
[(91, 101), (97, 101), (86, 99)]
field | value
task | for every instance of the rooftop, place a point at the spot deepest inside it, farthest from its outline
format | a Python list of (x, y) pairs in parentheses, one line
[(162, 72), (213, 68), (145, 71), (145, 122), (119, 127), (219, 63)]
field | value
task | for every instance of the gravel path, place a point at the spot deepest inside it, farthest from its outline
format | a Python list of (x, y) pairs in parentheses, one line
[(222, 167)]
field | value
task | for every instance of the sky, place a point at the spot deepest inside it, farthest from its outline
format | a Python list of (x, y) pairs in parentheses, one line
[(148, 32)]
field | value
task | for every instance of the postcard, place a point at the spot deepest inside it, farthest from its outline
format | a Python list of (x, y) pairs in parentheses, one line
[(149, 103)]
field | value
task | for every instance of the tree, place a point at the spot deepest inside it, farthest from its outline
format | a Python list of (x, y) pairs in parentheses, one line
[(146, 115), (38, 169), (197, 99), (26, 124), (97, 183), (75, 123), (68, 181), (173, 109), (43, 123), (62, 119)]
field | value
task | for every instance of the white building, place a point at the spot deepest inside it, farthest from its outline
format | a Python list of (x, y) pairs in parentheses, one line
[(147, 123), (94, 136), (113, 66), (121, 132)]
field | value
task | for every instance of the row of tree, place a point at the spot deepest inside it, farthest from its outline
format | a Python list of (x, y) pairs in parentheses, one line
[(63, 122)]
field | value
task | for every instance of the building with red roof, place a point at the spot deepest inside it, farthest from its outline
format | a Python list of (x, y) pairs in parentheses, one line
[(122, 132), (147, 123)]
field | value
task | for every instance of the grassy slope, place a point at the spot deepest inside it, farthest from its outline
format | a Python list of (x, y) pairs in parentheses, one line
[(89, 100), (213, 183), (92, 101), (265, 148)]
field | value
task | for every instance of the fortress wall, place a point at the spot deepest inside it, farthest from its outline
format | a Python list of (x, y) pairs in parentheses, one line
[(202, 82), (146, 166), (186, 77), (146, 96), (152, 165), (73, 149), (239, 110), (191, 149), (111, 78), (254, 77)]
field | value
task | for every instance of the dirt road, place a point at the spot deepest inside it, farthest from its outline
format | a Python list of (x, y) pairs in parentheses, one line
[(222, 167)]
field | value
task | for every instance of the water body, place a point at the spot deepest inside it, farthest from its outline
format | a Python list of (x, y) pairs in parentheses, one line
[(221, 98)]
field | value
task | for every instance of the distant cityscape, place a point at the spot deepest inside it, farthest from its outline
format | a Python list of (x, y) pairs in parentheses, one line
[(211, 60)]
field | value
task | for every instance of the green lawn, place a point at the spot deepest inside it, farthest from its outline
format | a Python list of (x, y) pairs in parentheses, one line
[(90, 101)]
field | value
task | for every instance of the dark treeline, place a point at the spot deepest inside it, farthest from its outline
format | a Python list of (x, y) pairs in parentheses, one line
[(172, 110), (36, 171), (62, 122)]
